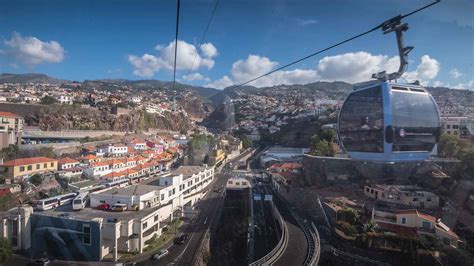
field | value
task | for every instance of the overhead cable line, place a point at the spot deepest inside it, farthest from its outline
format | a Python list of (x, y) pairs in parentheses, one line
[(203, 37), (176, 44), (399, 17)]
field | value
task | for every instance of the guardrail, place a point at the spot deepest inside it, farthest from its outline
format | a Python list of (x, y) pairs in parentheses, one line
[(310, 239), (317, 241), (278, 250)]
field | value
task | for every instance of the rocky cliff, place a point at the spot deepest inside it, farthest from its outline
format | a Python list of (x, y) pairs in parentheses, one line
[(62, 118)]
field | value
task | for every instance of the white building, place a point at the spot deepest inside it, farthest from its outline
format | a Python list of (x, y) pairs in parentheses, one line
[(64, 99), (117, 150)]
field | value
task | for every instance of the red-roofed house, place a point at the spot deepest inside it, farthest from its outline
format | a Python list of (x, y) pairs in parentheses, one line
[(67, 163), (421, 222), (138, 144), (29, 166)]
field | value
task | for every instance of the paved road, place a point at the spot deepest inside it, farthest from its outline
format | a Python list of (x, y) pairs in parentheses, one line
[(297, 248), (196, 228)]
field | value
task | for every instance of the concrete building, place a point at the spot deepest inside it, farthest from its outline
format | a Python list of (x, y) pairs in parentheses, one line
[(407, 195), (282, 154), (457, 126), (14, 226), (11, 129), (95, 235), (25, 167), (237, 184)]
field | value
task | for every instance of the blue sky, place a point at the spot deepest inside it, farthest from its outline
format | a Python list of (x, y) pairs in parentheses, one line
[(80, 40)]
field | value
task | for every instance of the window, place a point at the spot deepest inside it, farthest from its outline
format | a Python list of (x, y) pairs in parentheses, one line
[(30, 167), (51, 164), (361, 121), (145, 225), (448, 126), (155, 218), (455, 126), (37, 166), (415, 122), (22, 168), (162, 197), (367, 189), (426, 225), (86, 237)]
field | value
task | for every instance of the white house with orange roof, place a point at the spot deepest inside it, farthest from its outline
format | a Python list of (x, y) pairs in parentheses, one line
[(421, 222), (138, 144), (98, 169), (67, 163), (115, 150)]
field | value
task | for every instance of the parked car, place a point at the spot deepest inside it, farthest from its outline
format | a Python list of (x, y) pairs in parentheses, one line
[(41, 261), (160, 254), (181, 239), (104, 207), (119, 207)]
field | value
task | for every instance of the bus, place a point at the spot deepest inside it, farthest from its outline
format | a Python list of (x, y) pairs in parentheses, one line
[(119, 183), (80, 201), (54, 202)]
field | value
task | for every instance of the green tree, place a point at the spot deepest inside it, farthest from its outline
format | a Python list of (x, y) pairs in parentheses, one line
[(327, 134), (48, 100), (6, 251), (246, 142), (466, 167), (36, 179), (10, 152), (321, 147), (452, 147)]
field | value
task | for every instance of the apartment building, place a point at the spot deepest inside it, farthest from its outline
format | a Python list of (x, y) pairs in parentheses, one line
[(101, 234), (407, 195), (456, 125), (29, 166), (11, 129)]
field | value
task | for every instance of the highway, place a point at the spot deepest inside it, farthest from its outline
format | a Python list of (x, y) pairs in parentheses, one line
[(197, 226)]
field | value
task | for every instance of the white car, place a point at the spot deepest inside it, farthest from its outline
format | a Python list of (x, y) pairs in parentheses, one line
[(160, 254)]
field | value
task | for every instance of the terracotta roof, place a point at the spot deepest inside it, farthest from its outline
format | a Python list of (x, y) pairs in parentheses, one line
[(114, 174), (291, 166), (67, 160), (26, 161), (99, 164), (288, 175), (419, 214), (89, 157), (8, 114)]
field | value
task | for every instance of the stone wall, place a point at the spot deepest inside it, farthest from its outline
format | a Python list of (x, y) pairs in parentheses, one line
[(319, 171)]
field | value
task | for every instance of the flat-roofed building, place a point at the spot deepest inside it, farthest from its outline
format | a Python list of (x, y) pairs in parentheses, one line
[(11, 129), (407, 195)]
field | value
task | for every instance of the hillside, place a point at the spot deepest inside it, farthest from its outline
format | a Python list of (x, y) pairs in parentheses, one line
[(29, 78)]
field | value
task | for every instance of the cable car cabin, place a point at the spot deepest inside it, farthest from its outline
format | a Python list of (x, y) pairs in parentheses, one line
[(388, 122)]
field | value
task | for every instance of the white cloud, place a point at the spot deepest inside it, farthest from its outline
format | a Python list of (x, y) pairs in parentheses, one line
[(209, 50), (349, 67), (455, 73), (427, 70), (188, 58), (195, 76), (32, 51), (354, 67), (306, 22), (465, 86), (438, 83), (221, 83)]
